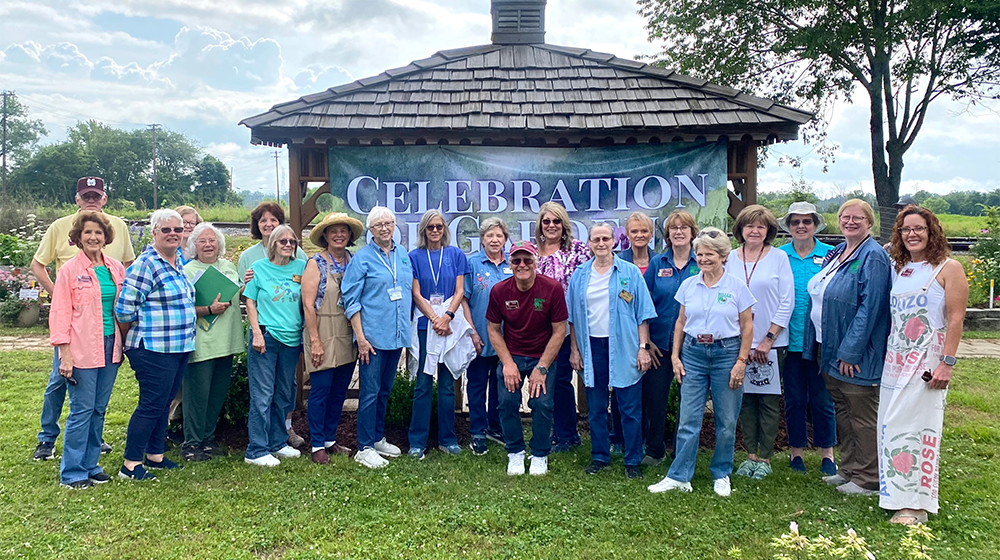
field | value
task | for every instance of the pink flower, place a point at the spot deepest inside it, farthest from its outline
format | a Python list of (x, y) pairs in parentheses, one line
[(903, 462), (914, 328)]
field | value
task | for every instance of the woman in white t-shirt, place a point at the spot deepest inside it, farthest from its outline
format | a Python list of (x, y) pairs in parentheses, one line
[(768, 274), (710, 351)]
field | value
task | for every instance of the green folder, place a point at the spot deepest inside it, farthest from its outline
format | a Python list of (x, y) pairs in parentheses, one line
[(212, 283)]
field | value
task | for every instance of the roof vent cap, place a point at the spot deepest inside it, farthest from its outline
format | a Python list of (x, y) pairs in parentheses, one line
[(518, 22)]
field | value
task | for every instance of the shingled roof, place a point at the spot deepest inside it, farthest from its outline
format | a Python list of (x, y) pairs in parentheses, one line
[(537, 91)]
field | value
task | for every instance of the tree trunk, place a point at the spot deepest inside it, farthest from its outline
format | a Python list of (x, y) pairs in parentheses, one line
[(885, 194)]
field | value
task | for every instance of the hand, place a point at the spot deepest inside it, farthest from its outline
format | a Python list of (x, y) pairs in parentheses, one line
[(258, 342), (478, 343), (316, 352), (536, 384), (217, 307), (736, 375), (248, 275), (442, 325), (511, 377), (66, 365), (679, 372), (575, 359), (848, 370), (942, 376), (364, 350), (644, 360), (760, 353), (655, 354)]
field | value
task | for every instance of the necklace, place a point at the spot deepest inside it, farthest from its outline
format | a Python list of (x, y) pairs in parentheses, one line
[(750, 274)]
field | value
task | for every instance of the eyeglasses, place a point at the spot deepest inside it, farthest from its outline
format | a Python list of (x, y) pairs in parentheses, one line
[(284, 242), (852, 219), (553, 221), (190, 224), (207, 241), (516, 261), (712, 234), (383, 225), (604, 239), (91, 196), (167, 230), (805, 222), (677, 228), (917, 229), (435, 227)]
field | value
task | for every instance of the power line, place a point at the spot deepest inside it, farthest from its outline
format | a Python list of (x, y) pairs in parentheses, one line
[(152, 127), (61, 111), (277, 177)]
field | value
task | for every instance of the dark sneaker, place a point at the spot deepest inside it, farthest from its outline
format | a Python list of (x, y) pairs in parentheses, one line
[(561, 447), (138, 473), (192, 453), (651, 461), (495, 435), (829, 467), (478, 446), (106, 448), (213, 449), (337, 449), (797, 464), (45, 451), (633, 471), (79, 484), (617, 449), (164, 464), (175, 436), (595, 467), (100, 478)]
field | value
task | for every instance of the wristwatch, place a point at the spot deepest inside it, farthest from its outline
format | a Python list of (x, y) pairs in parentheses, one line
[(770, 335), (744, 360), (949, 360), (542, 370), (450, 314), (646, 346)]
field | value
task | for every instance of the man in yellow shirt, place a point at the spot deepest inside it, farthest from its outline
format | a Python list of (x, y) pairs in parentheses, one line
[(56, 246)]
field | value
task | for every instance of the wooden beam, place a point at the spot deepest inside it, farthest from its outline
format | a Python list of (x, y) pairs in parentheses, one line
[(295, 190), (309, 211)]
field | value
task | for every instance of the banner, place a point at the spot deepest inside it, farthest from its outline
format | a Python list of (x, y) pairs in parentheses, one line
[(469, 184)]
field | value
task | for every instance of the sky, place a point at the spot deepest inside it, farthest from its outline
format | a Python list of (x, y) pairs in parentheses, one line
[(200, 66)]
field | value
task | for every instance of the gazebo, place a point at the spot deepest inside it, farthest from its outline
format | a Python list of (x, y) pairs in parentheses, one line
[(520, 92)]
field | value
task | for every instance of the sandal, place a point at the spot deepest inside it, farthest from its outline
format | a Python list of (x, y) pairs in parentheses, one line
[(909, 517)]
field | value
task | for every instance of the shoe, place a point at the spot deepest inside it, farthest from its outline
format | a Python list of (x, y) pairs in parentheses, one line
[(106, 448), (175, 436), (386, 449), (287, 452), (452, 449), (337, 449), (79, 484), (515, 463), (668, 484), (633, 471), (595, 467), (723, 487), (213, 449), (165, 464), (797, 464), (417, 453), (829, 467), (834, 480), (478, 446), (370, 458), (194, 454), (100, 478), (495, 435), (618, 450), (565, 446), (539, 466), (909, 517), (45, 451), (651, 461), (852, 489), (138, 473), (763, 469), (747, 468), (320, 457), (263, 461), (294, 439)]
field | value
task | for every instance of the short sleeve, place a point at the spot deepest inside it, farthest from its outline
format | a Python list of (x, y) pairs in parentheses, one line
[(250, 290), (493, 313), (681, 295), (559, 310), (461, 262), (46, 248), (745, 299)]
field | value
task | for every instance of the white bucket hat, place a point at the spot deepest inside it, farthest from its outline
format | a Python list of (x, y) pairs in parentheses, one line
[(804, 209)]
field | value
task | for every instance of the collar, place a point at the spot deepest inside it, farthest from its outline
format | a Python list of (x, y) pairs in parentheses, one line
[(483, 258), (669, 256)]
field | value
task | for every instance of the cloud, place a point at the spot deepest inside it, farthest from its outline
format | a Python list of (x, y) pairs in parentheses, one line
[(214, 58), (310, 80), (108, 70)]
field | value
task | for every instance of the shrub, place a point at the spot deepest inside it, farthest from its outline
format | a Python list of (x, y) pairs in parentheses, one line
[(236, 409), (985, 264), (400, 407)]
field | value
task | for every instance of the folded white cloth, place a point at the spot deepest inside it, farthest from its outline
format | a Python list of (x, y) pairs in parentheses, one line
[(456, 351)]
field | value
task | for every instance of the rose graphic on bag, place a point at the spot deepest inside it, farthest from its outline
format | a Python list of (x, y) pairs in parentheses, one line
[(903, 462), (915, 328)]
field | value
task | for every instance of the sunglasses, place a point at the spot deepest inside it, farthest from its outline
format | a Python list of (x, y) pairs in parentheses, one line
[(284, 242), (516, 261), (805, 222), (604, 239), (91, 196), (435, 227), (167, 230), (548, 222), (710, 234)]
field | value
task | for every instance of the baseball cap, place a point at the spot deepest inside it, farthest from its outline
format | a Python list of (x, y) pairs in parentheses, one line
[(524, 246), (905, 200), (90, 184)]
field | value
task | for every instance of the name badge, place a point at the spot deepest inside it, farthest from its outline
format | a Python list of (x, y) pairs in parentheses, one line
[(625, 296), (395, 293), (907, 272), (437, 299), (706, 338), (665, 273), (512, 304), (84, 279), (507, 270), (818, 260), (297, 278)]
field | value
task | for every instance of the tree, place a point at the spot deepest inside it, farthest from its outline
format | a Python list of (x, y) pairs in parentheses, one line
[(937, 205), (22, 133), (902, 55), (212, 183)]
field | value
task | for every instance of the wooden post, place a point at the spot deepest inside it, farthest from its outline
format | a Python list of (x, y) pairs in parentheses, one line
[(294, 190)]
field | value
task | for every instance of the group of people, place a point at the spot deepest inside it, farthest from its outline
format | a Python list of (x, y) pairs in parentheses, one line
[(859, 339)]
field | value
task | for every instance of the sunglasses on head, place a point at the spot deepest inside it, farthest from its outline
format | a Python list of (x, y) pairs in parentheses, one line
[(518, 260), (284, 242), (167, 230), (435, 227), (549, 222), (710, 234)]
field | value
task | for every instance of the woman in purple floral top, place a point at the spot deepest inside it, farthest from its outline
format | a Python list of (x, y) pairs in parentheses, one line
[(558, 257)]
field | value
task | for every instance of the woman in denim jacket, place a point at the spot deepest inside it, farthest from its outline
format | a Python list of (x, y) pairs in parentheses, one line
[(847, 334)]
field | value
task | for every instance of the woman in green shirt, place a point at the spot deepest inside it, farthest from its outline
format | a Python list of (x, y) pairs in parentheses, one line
[(218, 336)]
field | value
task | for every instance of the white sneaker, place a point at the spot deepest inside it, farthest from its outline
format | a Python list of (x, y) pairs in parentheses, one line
[(723, 487), (669, 484), (515, 464), (386, 449), (539, 465), (263, 461), (287, 452), (835, 480), (370, 458)]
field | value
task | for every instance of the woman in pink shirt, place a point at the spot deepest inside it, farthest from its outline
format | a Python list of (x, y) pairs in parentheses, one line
[(83, 328)]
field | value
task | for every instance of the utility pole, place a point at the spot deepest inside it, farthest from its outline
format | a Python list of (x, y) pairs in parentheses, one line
[(277, 181), (5, 94), (152, 127)]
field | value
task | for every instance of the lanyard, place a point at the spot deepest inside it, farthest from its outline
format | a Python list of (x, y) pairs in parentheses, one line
[(841, 263), (752, 270), (392, 269), (435, 276)]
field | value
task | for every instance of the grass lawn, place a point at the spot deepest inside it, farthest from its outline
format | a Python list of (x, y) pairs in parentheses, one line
[(466, 506)]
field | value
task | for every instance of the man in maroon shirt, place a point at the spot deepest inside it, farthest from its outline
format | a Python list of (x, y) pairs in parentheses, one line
[(527, 324)]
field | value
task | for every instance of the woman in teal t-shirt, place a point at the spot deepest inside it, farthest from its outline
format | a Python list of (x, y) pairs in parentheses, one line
[(274, 310)]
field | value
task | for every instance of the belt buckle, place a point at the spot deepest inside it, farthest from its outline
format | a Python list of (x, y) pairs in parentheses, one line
[(706, 339)]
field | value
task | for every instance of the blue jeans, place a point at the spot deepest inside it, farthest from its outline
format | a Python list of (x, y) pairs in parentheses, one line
[(326, 402), (564, 400), (88, 403), (271, 377), (805, 388), (52, 403), (656, 385), (482, 390), (159, 376), (376, 379), (629, 403), (420, 420), (541, 410), (707, 366)]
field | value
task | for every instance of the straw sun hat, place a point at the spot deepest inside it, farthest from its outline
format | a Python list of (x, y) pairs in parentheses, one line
[(318, 233)]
